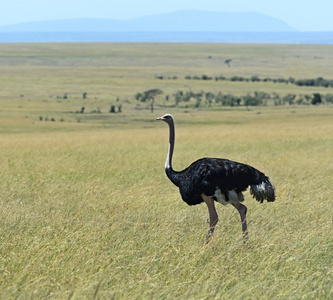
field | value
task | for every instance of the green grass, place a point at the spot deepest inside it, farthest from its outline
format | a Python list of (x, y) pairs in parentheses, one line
[(86, 211)]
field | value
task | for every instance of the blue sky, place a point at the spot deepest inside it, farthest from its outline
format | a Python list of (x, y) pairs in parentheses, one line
[(303, 15)]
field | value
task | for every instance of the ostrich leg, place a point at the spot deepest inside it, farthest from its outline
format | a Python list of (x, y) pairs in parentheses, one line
[(213, 217), (242, 212)]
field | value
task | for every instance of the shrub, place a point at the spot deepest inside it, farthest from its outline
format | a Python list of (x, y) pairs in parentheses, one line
[(255, 79), (238, 78), (316, 99), (205, 77), (197, 102), (138, 96), (289, 99), (252, 100), (328, 98)]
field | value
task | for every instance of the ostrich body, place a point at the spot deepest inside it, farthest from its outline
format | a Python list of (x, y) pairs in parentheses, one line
[(216, 179)]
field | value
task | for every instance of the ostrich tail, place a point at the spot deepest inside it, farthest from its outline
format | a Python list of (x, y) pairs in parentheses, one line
[(263, 190)]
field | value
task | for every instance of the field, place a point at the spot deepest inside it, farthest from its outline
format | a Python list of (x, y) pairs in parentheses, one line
[(86, 211)]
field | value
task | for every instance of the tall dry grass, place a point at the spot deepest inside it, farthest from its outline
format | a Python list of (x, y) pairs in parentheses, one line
[(90, 214)]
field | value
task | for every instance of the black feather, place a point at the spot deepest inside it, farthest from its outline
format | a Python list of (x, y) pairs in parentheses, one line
[(206, 175)]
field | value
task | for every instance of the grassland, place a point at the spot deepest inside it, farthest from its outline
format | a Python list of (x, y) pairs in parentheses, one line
[(86, 211)]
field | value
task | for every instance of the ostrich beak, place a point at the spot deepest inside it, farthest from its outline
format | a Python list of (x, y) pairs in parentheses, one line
[(165, 118)]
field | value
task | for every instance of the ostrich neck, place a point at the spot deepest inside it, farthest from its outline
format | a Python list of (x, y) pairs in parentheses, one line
[(172, 175), (168, 162)]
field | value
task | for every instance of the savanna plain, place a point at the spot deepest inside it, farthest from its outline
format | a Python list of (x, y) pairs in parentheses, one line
[(86, 211)]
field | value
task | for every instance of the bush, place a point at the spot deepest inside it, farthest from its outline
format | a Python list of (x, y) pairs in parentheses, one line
[(289, 99), (237, 78), (316, 99), (328, 98), (252, 100), (138, 96), (255, 79), (205, 77)]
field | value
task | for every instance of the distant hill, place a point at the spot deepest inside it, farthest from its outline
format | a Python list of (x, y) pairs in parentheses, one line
[(179, 21)]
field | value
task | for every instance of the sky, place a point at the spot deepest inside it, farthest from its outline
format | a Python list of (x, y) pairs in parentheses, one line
[(302, 15)]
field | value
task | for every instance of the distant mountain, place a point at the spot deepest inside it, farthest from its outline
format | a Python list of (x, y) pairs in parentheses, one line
[(179, 21)]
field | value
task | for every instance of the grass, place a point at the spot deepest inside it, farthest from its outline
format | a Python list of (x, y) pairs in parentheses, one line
[(86, 211), (35, 77)]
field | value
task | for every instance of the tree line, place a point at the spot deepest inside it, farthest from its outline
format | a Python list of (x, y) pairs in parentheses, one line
[(319, 81), (197, 99)]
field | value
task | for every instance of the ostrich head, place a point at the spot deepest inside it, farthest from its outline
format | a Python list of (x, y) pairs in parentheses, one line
[(166, 118)]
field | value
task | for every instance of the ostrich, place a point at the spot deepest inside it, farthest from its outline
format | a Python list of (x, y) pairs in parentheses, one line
[(216, 179)]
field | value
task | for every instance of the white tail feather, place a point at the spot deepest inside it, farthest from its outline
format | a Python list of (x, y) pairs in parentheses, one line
[(262, 191)]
